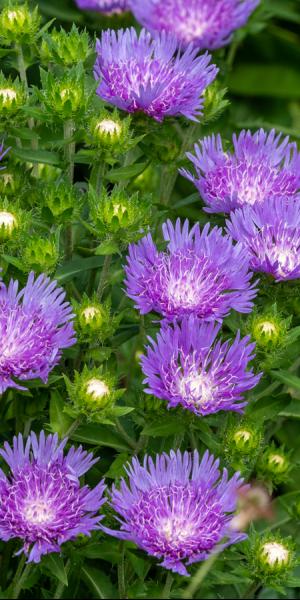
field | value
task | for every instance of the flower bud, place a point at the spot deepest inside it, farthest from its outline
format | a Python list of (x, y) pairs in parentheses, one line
[(66, 97), (242, 443), (94, 321), (215, 102), (271, 558), (13, 221), (93, 394), (65, 48), (110, 133), (11, 182), (274, 465), (12, 96), (62, 200), (40, 254), (127, 217), (19, 24), (268, 329)]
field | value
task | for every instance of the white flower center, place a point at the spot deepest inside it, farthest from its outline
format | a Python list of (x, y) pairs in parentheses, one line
[(181, 293), (242, 435), (287, 260), (109, 126), (90, 312), (275, 553), (7, 220), (176, 529), (268, 328), (8, 94), (196, 388), (38, 512), (96, 388)]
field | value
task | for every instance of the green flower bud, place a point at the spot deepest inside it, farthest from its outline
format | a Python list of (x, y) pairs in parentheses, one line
[(274, 465), (94, 320), (214, 102), (65, 48), (268, 329), (62, 200), (11, 182), (121, 215), (242, 444), (12, 96), (18, 23), (93, 394), (40, 254), (48, 172), (13, 221), (66, 97), (110, 133), (271, 559)]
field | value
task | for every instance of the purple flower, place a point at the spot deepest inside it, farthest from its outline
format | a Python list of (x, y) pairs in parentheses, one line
[(138, 73), (208, 24), (177, 508), (201, 273), (103, 6), (262, 165), (41, 500), (186, 366), (35, 325), (270, 233)]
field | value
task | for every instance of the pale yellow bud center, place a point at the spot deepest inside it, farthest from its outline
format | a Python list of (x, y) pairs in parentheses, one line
[(97, 389), (90, 312), (7, 220), (109, 126), (268, 328), (7, 95), (242, 436), (276, 459), (275, 552)]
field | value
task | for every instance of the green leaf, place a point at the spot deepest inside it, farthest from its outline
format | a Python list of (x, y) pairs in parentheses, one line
[(275, 81), (100, 435), (55, 564), (74, 267), (123, 173), (98, 582), (106, 248), (104, 550), (170, 426), (292, 411), (287, 378), (59, 422), (12, 260), (267, 408), (38, 156)]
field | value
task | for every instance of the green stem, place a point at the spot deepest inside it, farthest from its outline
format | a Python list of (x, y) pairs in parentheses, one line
[(69, 128), (20, 577), (168, 585), (231, 55), (104, 276), (125, 435), (251, 590), (23, 77), (73, 427), (200, 576), (121, 573)]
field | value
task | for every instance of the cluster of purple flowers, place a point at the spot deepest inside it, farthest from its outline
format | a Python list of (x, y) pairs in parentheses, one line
[(177, 509)]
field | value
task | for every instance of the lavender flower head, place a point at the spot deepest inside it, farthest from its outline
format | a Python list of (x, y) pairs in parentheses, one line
[(139, 73), (35, 325), (41, 500), (3, 152), (270, 233), (186, 366), (263, 165), (208, 24), (177, 508), (201, 273), (103, 6)]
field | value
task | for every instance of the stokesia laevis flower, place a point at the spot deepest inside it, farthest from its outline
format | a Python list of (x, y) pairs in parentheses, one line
[(186, 366), (3, 152), (103, 6), (208, 24), (177, 508), (35, 325), (41, 500), (201, 273), (263, 165), (270, 232), (139, 73)]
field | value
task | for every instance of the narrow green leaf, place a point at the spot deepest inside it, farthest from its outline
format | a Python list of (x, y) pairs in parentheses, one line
[(37, 156), (123, 173), (100, 435), (55, 564), (287, 378), (74, 267)]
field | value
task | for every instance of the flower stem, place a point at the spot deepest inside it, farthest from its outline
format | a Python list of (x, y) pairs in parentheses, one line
[(200, 576), (168, 585), (125, 435), (20, 577), (104, 276), (73, 427), (23, 77), (251, 590), (121, 573), (69, 128)]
